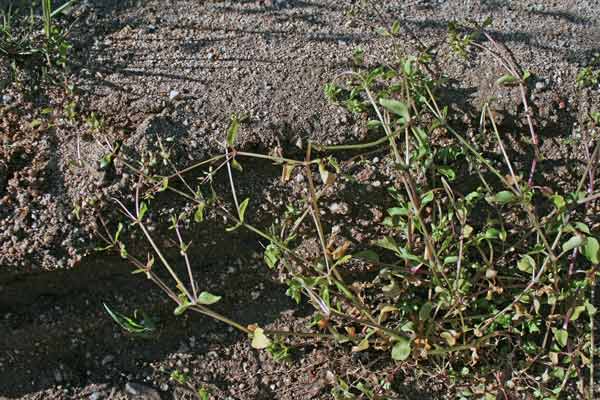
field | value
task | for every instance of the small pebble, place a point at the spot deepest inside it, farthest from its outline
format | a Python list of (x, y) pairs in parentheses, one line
[(95, 396), (173, 95), (137, 390), (339, 208)]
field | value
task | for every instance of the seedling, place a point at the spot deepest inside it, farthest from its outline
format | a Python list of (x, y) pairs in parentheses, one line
[(139, 325)]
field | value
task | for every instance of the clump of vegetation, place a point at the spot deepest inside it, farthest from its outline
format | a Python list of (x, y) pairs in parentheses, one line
[(484, 278), (589, 75), (31, 39)]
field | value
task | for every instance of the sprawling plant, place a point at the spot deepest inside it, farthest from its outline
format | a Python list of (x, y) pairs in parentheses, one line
[(484, 277)]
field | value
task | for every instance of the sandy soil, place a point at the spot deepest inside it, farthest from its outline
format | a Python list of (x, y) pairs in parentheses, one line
[(180, 68)]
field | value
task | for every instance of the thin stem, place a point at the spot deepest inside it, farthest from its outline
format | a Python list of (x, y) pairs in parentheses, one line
[(517, 73), (506, 159), (277, 159), (386, 128), (187, 261), (194, 166), (357, 146), (166, 264), (213, 314), (314, 210), (230, 175)]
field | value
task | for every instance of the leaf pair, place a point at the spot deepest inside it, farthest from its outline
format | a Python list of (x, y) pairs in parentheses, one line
[(205, 299)]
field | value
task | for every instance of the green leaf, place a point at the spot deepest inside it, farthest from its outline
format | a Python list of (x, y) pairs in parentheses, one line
[(575, 241), (106, 161), (398, 211), (363, 345), (581, 227), (367, 255), (450, 260), (272, 255), (427, 198), (561, 336), (119, 230), (559, 201), (526, 264), (199, 214), (123, 251), (143, 210), (591, 310), (591, 250), (576, 312), (502, 235), (467, 231), (491, 233), (447, 172), (181, 308), (373, 123), (145, 326), (507, 80), (449, 337), (259, 339), (232, 132), (401, 350), (388, 243), (164, 185), (397, 107), (425, 311), (472, 197), (504, 197), (243, 207), (327, 177), (207, 298), (344, 290), (392, 289), (236, 165), (203, 393)]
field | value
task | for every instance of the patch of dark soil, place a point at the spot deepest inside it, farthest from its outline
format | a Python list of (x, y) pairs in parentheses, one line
[(56, 332)]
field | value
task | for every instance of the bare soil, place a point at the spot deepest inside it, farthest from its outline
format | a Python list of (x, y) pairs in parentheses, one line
[(178, 69)]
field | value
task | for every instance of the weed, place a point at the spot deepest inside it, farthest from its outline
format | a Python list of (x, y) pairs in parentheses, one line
[(22, 45), (183, 380), (141, 325), (590, 75), (481, 270), (180, 377)]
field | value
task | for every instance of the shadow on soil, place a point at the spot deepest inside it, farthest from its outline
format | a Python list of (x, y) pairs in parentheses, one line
[(55, 330)]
